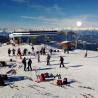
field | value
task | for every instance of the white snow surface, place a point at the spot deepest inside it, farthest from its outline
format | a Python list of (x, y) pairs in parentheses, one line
[(81, 72)]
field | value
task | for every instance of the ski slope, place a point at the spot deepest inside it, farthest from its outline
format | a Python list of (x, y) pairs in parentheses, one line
[(82, 73)]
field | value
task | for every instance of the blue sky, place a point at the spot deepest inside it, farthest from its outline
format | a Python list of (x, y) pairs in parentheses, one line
[(49, 13)]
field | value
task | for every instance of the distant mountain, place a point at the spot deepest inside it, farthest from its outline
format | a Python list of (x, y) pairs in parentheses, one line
[(89, 36), (88, 32)]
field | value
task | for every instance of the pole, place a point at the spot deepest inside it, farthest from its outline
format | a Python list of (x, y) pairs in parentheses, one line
[(76, 41), (66, 36)]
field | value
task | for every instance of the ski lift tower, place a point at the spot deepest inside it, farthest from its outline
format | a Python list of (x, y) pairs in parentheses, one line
[(78, 24)]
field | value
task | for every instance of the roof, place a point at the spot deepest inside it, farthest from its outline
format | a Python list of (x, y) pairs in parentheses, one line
[(32, 33), (65, 42)]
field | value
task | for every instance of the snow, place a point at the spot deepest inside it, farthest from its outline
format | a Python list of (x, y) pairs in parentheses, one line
[(82, 72)]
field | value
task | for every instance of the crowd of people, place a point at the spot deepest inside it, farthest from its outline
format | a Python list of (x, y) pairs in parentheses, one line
[(28, 63), (13, 52)]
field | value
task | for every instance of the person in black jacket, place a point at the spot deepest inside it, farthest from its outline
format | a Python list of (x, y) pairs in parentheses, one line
[(32, 48), (61, 61), (9, 51), (19, 53), (48, 59), (38, 56), (24, 63), (51, 51), (29, 65), (13, 51)]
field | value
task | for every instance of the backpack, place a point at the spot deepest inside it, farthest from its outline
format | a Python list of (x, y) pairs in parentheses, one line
[(65, 81), (42, 77), (59, 82), (46, 75)]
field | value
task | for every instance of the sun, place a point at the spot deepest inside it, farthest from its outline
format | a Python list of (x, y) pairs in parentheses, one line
[(79, 23)]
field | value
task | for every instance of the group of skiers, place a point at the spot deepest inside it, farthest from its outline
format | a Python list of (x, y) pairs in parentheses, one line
[(48, 57), (43, 52), (13, 52), (27, 65), (38, 53)]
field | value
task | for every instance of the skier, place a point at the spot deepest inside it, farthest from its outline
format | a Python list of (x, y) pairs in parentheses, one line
[(25, 51), (51, 51), (9, 51), (48, 59), (13, 51), (61, 61), (32, 48), (29, 65), (44, 51), (38, 54), (19, 53), (24, 63)]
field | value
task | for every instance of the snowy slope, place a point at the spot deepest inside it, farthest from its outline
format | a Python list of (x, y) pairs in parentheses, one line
[(81, 72)]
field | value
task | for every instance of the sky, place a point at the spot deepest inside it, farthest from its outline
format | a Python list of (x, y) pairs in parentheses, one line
[(48, 13)]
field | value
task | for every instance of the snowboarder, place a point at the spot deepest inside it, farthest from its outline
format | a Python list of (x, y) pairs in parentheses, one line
[(29, 65), (9, 51), (13, 51), (48, 59), (61, 61), (24, 63)]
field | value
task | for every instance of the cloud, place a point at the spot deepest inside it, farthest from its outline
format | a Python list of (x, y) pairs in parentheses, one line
[(53, 10), (28, 17), (53, 21), (41, 18), (63, 22)]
